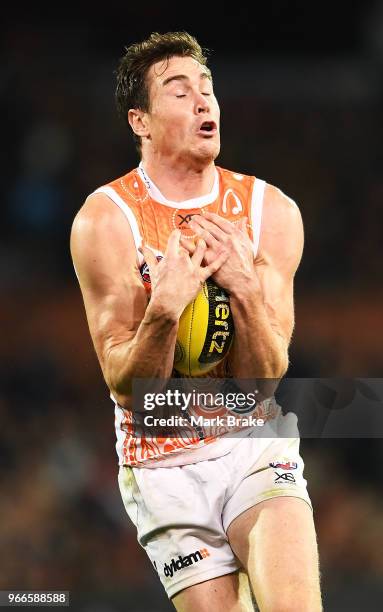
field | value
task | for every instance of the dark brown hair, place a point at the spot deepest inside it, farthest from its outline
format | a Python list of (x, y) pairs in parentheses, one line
[(132, 87)]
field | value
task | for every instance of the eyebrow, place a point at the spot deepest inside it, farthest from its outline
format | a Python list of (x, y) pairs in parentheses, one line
[(183, 77)]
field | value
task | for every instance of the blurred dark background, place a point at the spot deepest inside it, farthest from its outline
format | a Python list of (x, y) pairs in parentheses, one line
[(301, 91)]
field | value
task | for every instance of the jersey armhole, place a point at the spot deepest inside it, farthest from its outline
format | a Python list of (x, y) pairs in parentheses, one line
[(129, 215), (256, 208)]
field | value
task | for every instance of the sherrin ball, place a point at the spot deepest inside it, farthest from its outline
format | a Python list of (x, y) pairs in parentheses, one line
[(205, 331)]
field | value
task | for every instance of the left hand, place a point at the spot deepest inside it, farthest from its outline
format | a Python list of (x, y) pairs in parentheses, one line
[(238, 270)]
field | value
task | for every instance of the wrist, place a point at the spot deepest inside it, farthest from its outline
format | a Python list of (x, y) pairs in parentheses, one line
[(159, 310), (246, 291)]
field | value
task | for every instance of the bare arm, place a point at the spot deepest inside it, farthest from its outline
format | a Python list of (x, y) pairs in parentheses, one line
[(263, 309), (122, 325), (261, 292), (132, 339)]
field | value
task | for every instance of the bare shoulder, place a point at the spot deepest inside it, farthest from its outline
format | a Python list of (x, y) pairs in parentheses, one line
[(279, 208), (99, 219), (281, 230), (101, 239)]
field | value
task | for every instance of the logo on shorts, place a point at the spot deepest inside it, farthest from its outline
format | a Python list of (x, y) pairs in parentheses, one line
[(284, 465), (179, 564), (284, 477)]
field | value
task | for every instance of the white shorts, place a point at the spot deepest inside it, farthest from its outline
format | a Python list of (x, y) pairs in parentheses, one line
[(182, 513)]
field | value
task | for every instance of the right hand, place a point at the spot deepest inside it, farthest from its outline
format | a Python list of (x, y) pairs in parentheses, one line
[(177, 278)]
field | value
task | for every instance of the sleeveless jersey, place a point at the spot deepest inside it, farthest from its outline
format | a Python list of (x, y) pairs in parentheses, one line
[(152, 218)]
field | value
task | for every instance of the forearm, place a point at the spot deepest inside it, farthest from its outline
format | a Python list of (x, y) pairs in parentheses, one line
[(149, 355), (258, 350)]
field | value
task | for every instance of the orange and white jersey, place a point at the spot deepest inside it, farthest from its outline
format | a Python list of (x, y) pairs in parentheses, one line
[(152, 218)]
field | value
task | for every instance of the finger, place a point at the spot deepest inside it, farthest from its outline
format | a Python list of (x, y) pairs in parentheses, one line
[(244, 224), (223, 224), (199, 252), (214, 265), (245, 230), (188, 245), (172, 247), (210, 226), (149, 256), (209, 234), (183, 251)]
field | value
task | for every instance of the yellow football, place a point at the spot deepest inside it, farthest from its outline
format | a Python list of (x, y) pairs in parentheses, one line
[(205, 332)]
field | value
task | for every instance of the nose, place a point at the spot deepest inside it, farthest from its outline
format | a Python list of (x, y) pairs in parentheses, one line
[(202, 104)]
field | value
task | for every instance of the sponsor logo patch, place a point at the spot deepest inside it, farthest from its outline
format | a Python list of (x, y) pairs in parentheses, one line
[(175, 565), (284, 465), (285, 477)]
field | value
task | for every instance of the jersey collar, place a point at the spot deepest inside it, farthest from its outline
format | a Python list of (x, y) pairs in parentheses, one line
[(156, 194)]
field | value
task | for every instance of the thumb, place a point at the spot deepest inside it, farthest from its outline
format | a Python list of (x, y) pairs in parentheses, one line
[(150, 258)]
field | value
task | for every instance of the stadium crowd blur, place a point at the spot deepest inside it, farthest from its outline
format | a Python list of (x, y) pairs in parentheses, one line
[(311, 125)]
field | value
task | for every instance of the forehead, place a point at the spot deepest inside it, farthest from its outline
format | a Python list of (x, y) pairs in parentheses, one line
[(162, 70)]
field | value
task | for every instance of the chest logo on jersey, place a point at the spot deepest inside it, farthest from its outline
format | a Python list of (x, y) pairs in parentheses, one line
[(231, 204), (184, 219), (181, 218)]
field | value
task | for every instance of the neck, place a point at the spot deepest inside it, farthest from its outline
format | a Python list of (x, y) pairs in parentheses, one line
[(180, 182)]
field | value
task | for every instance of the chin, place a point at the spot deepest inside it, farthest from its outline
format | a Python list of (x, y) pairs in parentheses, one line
[(208, 152)]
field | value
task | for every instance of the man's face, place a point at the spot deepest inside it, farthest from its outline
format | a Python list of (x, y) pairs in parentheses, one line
[(183, 120)]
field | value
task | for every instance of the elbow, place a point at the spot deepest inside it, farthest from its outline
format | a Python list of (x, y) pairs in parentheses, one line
[(125, 401), (275, 365), (280, 366), (268, 383), (275, 369), (120, 393), (120, 388), (123, 396)]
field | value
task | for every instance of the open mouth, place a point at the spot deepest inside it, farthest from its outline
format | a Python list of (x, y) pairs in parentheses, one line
[(208, 127)]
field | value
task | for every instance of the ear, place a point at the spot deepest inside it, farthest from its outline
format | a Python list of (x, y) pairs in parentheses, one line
[(138, 122)]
